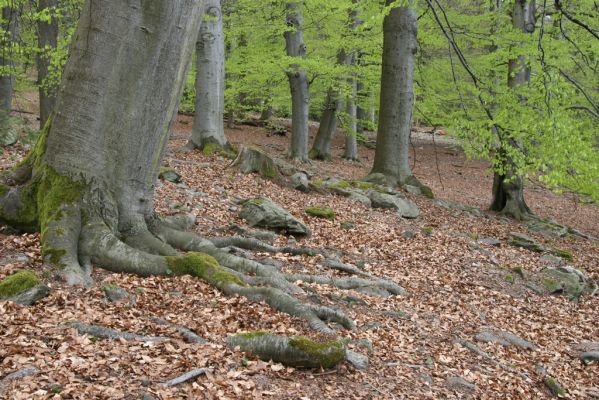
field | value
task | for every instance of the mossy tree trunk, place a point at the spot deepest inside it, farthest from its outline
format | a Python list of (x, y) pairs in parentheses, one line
[(47, 42), (508, 184), (210, 81), (397, 94), (88, 184)]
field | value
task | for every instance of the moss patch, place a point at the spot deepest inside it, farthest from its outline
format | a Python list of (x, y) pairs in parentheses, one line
[(252, 335), (554, 386), (321, 212), (203, 266), (566, 255), (17, 283), (519, 271), (328, 354)]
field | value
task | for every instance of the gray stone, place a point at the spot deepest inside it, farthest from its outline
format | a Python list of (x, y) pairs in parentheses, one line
[(552, 261), (300, 181), (490, 242), (459, 383), (114, 293), (357, 360), (566, 280), (31, 295), (374, 291), (408, 234), (8, 137), (360, 198), (170, 175), (264, 213), (413, 189), (589, 356), (405, 208), (347, 225), (526, 242)]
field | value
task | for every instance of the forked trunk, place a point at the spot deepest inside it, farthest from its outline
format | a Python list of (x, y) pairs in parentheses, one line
[(47, 42), (508, 185), (298, 82), (210, 81), (397, 95)]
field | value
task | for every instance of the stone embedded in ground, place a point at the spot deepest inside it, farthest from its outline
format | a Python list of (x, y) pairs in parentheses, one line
[(360, 198), (8, 137), (31, 295), (413, 189), (492, 335), (264, 213), (300, 181), (521, 240), (169, 174), (459, 383), (405, 208), (589, 356), (253, 159), (115, 293), (357, 360), (568, 281), (490, 242), (552, 261), (547, 228)]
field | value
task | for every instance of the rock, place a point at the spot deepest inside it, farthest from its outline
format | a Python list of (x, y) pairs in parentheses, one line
[(252, 159), (547, 228), (347, 225), (526, 242), (8, 137), (506, 339), (552, 261), (264, 213), (568, 281), (413, 189), (31, 296), (374, 291), (321, 212), (459, 383), (405, 208), (380, 179), (147, 396), (300, 181), (169, 174), (408, 234), (357, 360), (589, 356), (115, 293), (360, 198), (366, 344), (490, 242)]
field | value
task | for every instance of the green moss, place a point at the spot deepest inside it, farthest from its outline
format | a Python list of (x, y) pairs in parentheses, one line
[(427, 192), (203, 266), (268, 169), (3, 190), (551, 285), (252, 335), (321, 212), (328, 354), (554, 386), (255, 202), (211, 149), (17, 283), (341, 185), (427, 230), (509, 278), (519, 271), (53, 255), (566, 255), (318, 182)]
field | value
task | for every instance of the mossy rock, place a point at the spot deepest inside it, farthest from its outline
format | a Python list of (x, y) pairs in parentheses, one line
[(18, 282), (567, 281), (214, 149), (321, 212), (169, 174)]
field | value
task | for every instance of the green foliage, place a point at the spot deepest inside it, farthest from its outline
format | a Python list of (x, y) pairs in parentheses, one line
[(17, 283)]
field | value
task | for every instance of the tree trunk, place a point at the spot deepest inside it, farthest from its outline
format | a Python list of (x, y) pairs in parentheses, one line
[(88, 184), (397, 95), (298, 82), (360, 112), (321, 148), (351, 143), (208, 126), (9, 31), (47, 42), (508, 184)]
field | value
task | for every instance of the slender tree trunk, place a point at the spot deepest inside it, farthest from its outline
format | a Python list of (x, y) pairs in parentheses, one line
[(360, 112), (47, 42), (298, 82), (210, 81), (351, 143), (508, 185), (321, 148), (397, 95), (9, 31)]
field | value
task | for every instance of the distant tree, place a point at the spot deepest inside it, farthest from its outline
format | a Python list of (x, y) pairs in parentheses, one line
[(9, 30), (47, 27)]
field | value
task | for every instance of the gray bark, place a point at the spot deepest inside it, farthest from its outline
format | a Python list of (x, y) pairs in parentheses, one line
[(9, 29), (321, 148), (351, 143), (298, 82), (508, 185), (360, 112), (397, 94), (47, 42), (210, 80)]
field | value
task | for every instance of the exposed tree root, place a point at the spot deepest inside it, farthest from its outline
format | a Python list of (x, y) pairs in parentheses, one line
[(187, 333), (20, 374), (186, 377), (107, 333), (349, 283)]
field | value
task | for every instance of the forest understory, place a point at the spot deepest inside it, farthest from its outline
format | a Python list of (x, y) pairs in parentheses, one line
[(458, 285)]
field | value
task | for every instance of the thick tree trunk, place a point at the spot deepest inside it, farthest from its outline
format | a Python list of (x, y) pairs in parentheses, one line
[(47, 42), (9, 32), (397, 95), (210, 81), (508, 185), (298, 82)]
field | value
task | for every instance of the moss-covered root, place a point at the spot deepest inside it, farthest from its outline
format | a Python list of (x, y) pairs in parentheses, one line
[(297, 351), (18, 283)]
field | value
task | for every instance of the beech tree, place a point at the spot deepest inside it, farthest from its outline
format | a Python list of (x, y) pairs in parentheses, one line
[(47, 42), (8, 34), (397, 96), (208, 127)]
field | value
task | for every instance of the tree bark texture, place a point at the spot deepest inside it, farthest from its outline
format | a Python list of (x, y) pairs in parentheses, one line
[(508, 184), (351, 143), (10, 32), (210, 81), (397, 95), (298, 82), (47, 43)]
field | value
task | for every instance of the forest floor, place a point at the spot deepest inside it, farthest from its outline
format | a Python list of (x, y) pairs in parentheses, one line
[(455, 286)]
